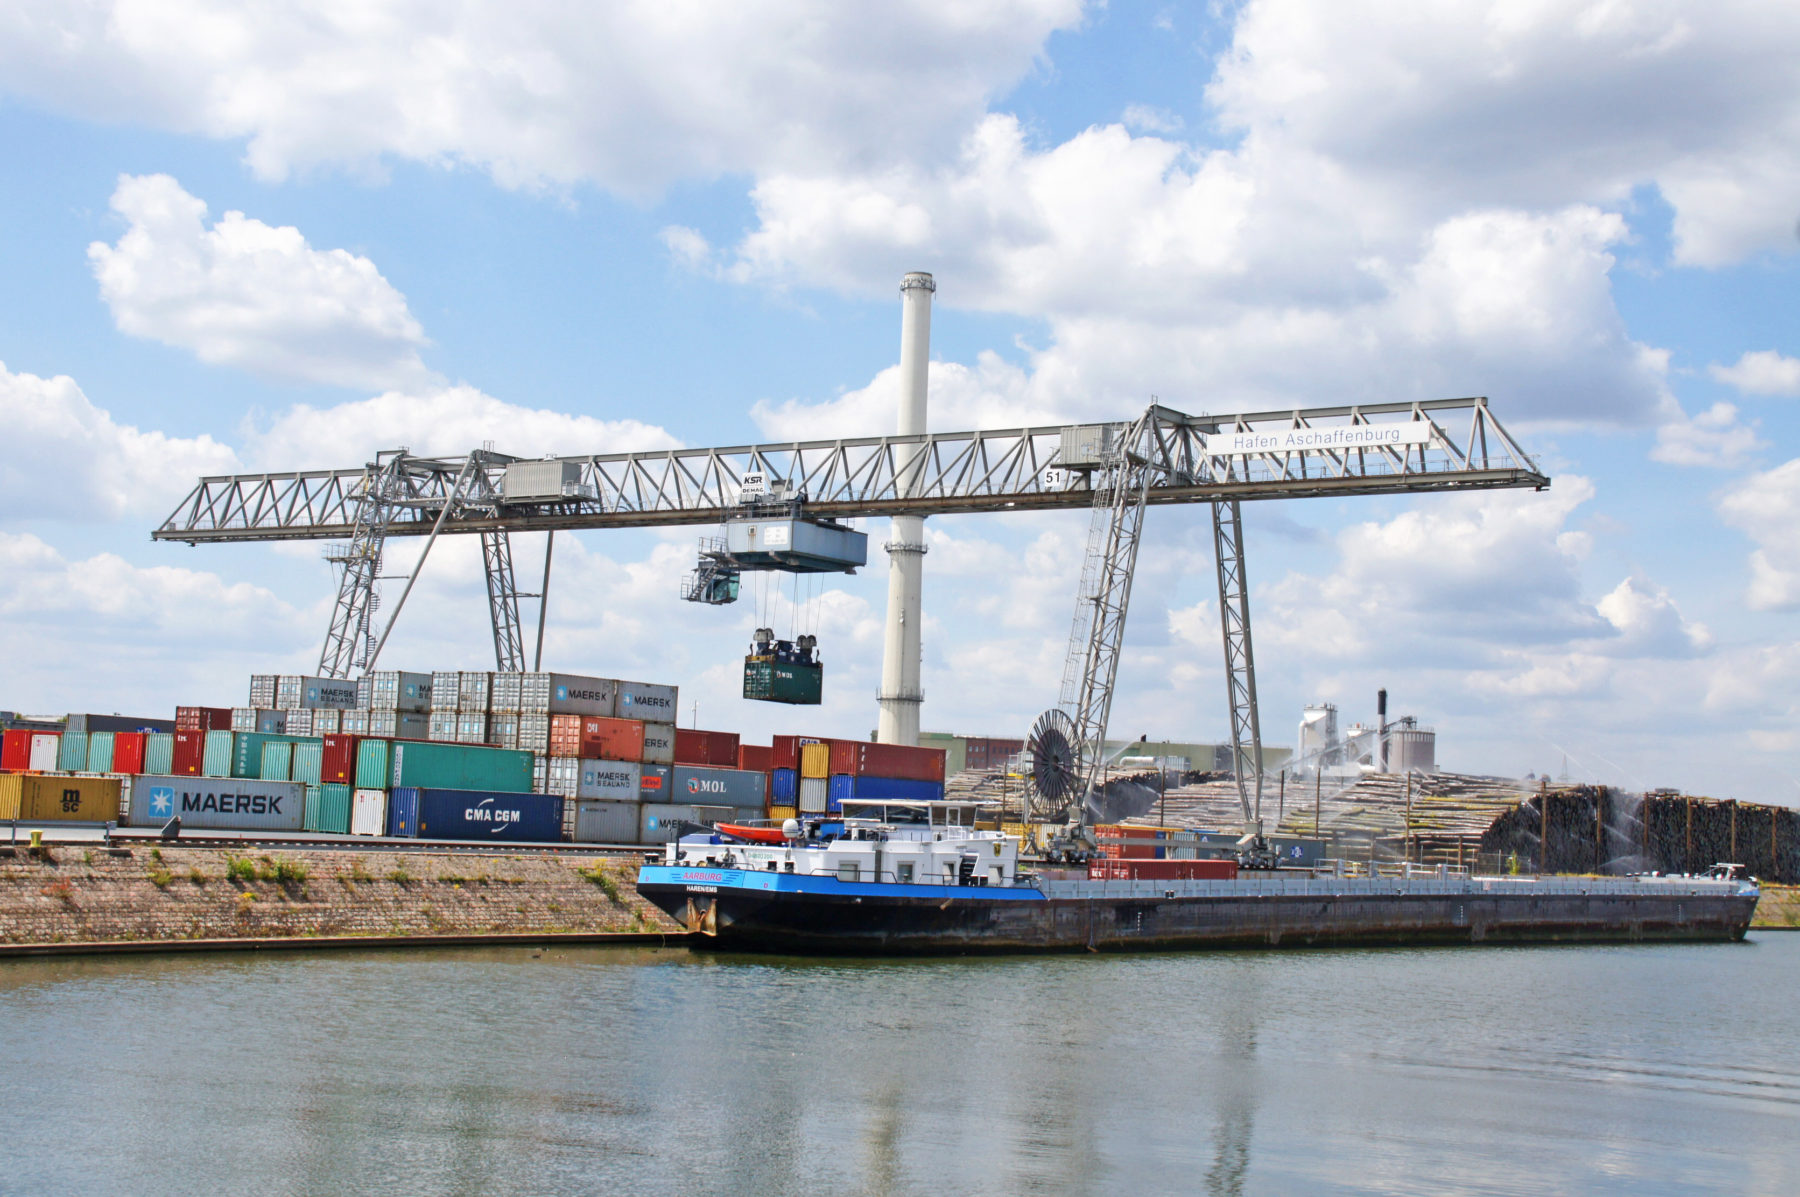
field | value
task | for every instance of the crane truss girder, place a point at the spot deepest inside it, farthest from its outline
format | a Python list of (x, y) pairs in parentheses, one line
[(929, 474)]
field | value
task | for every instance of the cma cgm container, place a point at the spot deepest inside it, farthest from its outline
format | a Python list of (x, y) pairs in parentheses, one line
[(601, 822), (416, 764), (660, 822), (620, 781), (605, 738), (651, 703), (720, 787), (445, 814), (328, 809), (238, 804), (59, 799), (368, 812), (654, 783), (659, 743), (856, 757), (844, 786)]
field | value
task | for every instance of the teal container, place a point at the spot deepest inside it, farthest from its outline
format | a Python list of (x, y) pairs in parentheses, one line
[(215, 757), (328, 808), (247, 756), (159, 753), (309, 762), (459, 767), (372, 764), (277, 762), (71, 753), (100, 752)]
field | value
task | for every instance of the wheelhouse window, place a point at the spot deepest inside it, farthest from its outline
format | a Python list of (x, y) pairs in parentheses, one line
[(848, 870), (904, 871)]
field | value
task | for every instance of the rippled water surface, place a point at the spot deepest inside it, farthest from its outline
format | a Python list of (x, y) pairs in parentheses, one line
[(1642, 1070)]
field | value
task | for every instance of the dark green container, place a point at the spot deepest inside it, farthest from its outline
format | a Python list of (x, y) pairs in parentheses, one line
[(372, 764), (433, 766), (247, 753), (782, 681), (328, 808)]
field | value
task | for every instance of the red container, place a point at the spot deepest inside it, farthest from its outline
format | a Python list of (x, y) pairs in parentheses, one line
[(339, 765), (128, 752), (15, 751), (609, 739), (202, 718), (713, 748), (1162, 870), (190, 752), (858, 758), (565, 736), (754, 757)]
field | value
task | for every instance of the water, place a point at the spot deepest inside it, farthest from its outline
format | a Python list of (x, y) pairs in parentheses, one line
[(1642, 1070)]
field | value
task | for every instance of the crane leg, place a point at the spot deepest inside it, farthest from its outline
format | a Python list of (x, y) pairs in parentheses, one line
[(503, 602), (1240, 660)]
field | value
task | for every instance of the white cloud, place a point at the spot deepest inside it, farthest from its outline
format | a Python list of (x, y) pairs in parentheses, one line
[(630, 96), (1649, 624), (993, 393), (1712, 438), (1762, 372), (242, 293), (67, 459), (1766, 506), (1147, 118)]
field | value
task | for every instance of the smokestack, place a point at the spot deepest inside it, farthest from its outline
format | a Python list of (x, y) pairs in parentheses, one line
[(900, 690), (1381, 753)]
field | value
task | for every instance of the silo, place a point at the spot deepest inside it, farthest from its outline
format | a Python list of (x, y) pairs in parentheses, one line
[(1411, 748)]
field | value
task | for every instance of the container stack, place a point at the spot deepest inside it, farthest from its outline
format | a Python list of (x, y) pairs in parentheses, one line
[(814, 775)]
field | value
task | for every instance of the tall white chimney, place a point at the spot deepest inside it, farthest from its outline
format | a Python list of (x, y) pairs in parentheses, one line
[(900, 691)]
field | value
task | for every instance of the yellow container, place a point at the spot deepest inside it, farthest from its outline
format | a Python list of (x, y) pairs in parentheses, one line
[(815, 760), (49, 796), (780, 814)]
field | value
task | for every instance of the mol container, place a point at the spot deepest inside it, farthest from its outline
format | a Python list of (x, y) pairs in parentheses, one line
[(660, 822), (611, 739), (659, 743), (656, 782), (619, 781), (328, 809), (159, 752), (651, 703), (738, 788), (444, 814), (368, 812), (224, 803), (417, 764), (129, 749), (58, 799), (602, 822)]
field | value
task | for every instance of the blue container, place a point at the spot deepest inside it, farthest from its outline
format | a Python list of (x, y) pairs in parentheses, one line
[(474, 815), (844, 786), (784, 786)]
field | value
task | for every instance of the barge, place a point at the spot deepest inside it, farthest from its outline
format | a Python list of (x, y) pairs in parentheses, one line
[(919, 878)]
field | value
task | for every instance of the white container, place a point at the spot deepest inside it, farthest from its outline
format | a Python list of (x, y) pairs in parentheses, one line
[(298, 722), (813, 793), (236, 803), (368, 812), (445, 687), (619, 781), (642, 700), (44, 746), (262, 689), (394, 690), (562, 776), (658, 822), (327, 723), (659, 743), (402, 725), (598, 822)]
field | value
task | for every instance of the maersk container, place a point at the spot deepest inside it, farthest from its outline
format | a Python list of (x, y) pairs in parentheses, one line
[(620, 781), (448, 814), (844, 786), (217, 754), (659, 743), (277, 763), (328, 809), (100, 752), (571, 694), (326, 694), (784, 786), (417, 764), (654, 783), (159, 752), (721, 787), (814, 795), (651, 703), (660, 822), (72, 752), (374, 761), (368, 812), (236, 804), (394, 690), (58, 799), (602, 822)]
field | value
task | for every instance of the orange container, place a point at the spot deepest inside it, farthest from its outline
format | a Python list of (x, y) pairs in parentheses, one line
[(610, 739)]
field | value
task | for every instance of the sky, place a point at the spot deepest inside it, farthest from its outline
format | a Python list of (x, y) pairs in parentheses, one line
[(241, 238)]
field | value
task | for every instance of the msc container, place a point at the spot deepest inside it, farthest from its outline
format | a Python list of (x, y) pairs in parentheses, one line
[(651, 703), (601, 822), (58, 799), (263, 689), (857, 757), (159, 752), (659, 743), (720, 787), (373, 763), (277, 763), (328, 809), (655, 784), (784, 786), (815, 760), (71, 752), (239, 804), (397, 725), (417, 764), (448, 814), (368, 812), (218, 754), (754, 756), (611, 739), (620, 781), (202, 718), (309, 764), (660, 822), (44, 751), (15, 750), (128, 751), (814, 795), (843, 786)]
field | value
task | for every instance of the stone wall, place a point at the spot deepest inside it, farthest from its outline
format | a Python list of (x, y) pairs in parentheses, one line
[(76, 894)]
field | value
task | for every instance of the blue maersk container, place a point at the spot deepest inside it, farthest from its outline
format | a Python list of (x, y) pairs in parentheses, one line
[(474, 815), (784, 786)]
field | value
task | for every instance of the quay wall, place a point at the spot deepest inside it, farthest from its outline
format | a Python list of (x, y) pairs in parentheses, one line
[(73, 894)]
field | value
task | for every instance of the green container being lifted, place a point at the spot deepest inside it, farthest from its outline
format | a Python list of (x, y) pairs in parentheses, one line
[(434, 766), (372, 764), (328, 809), (783, 681)]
